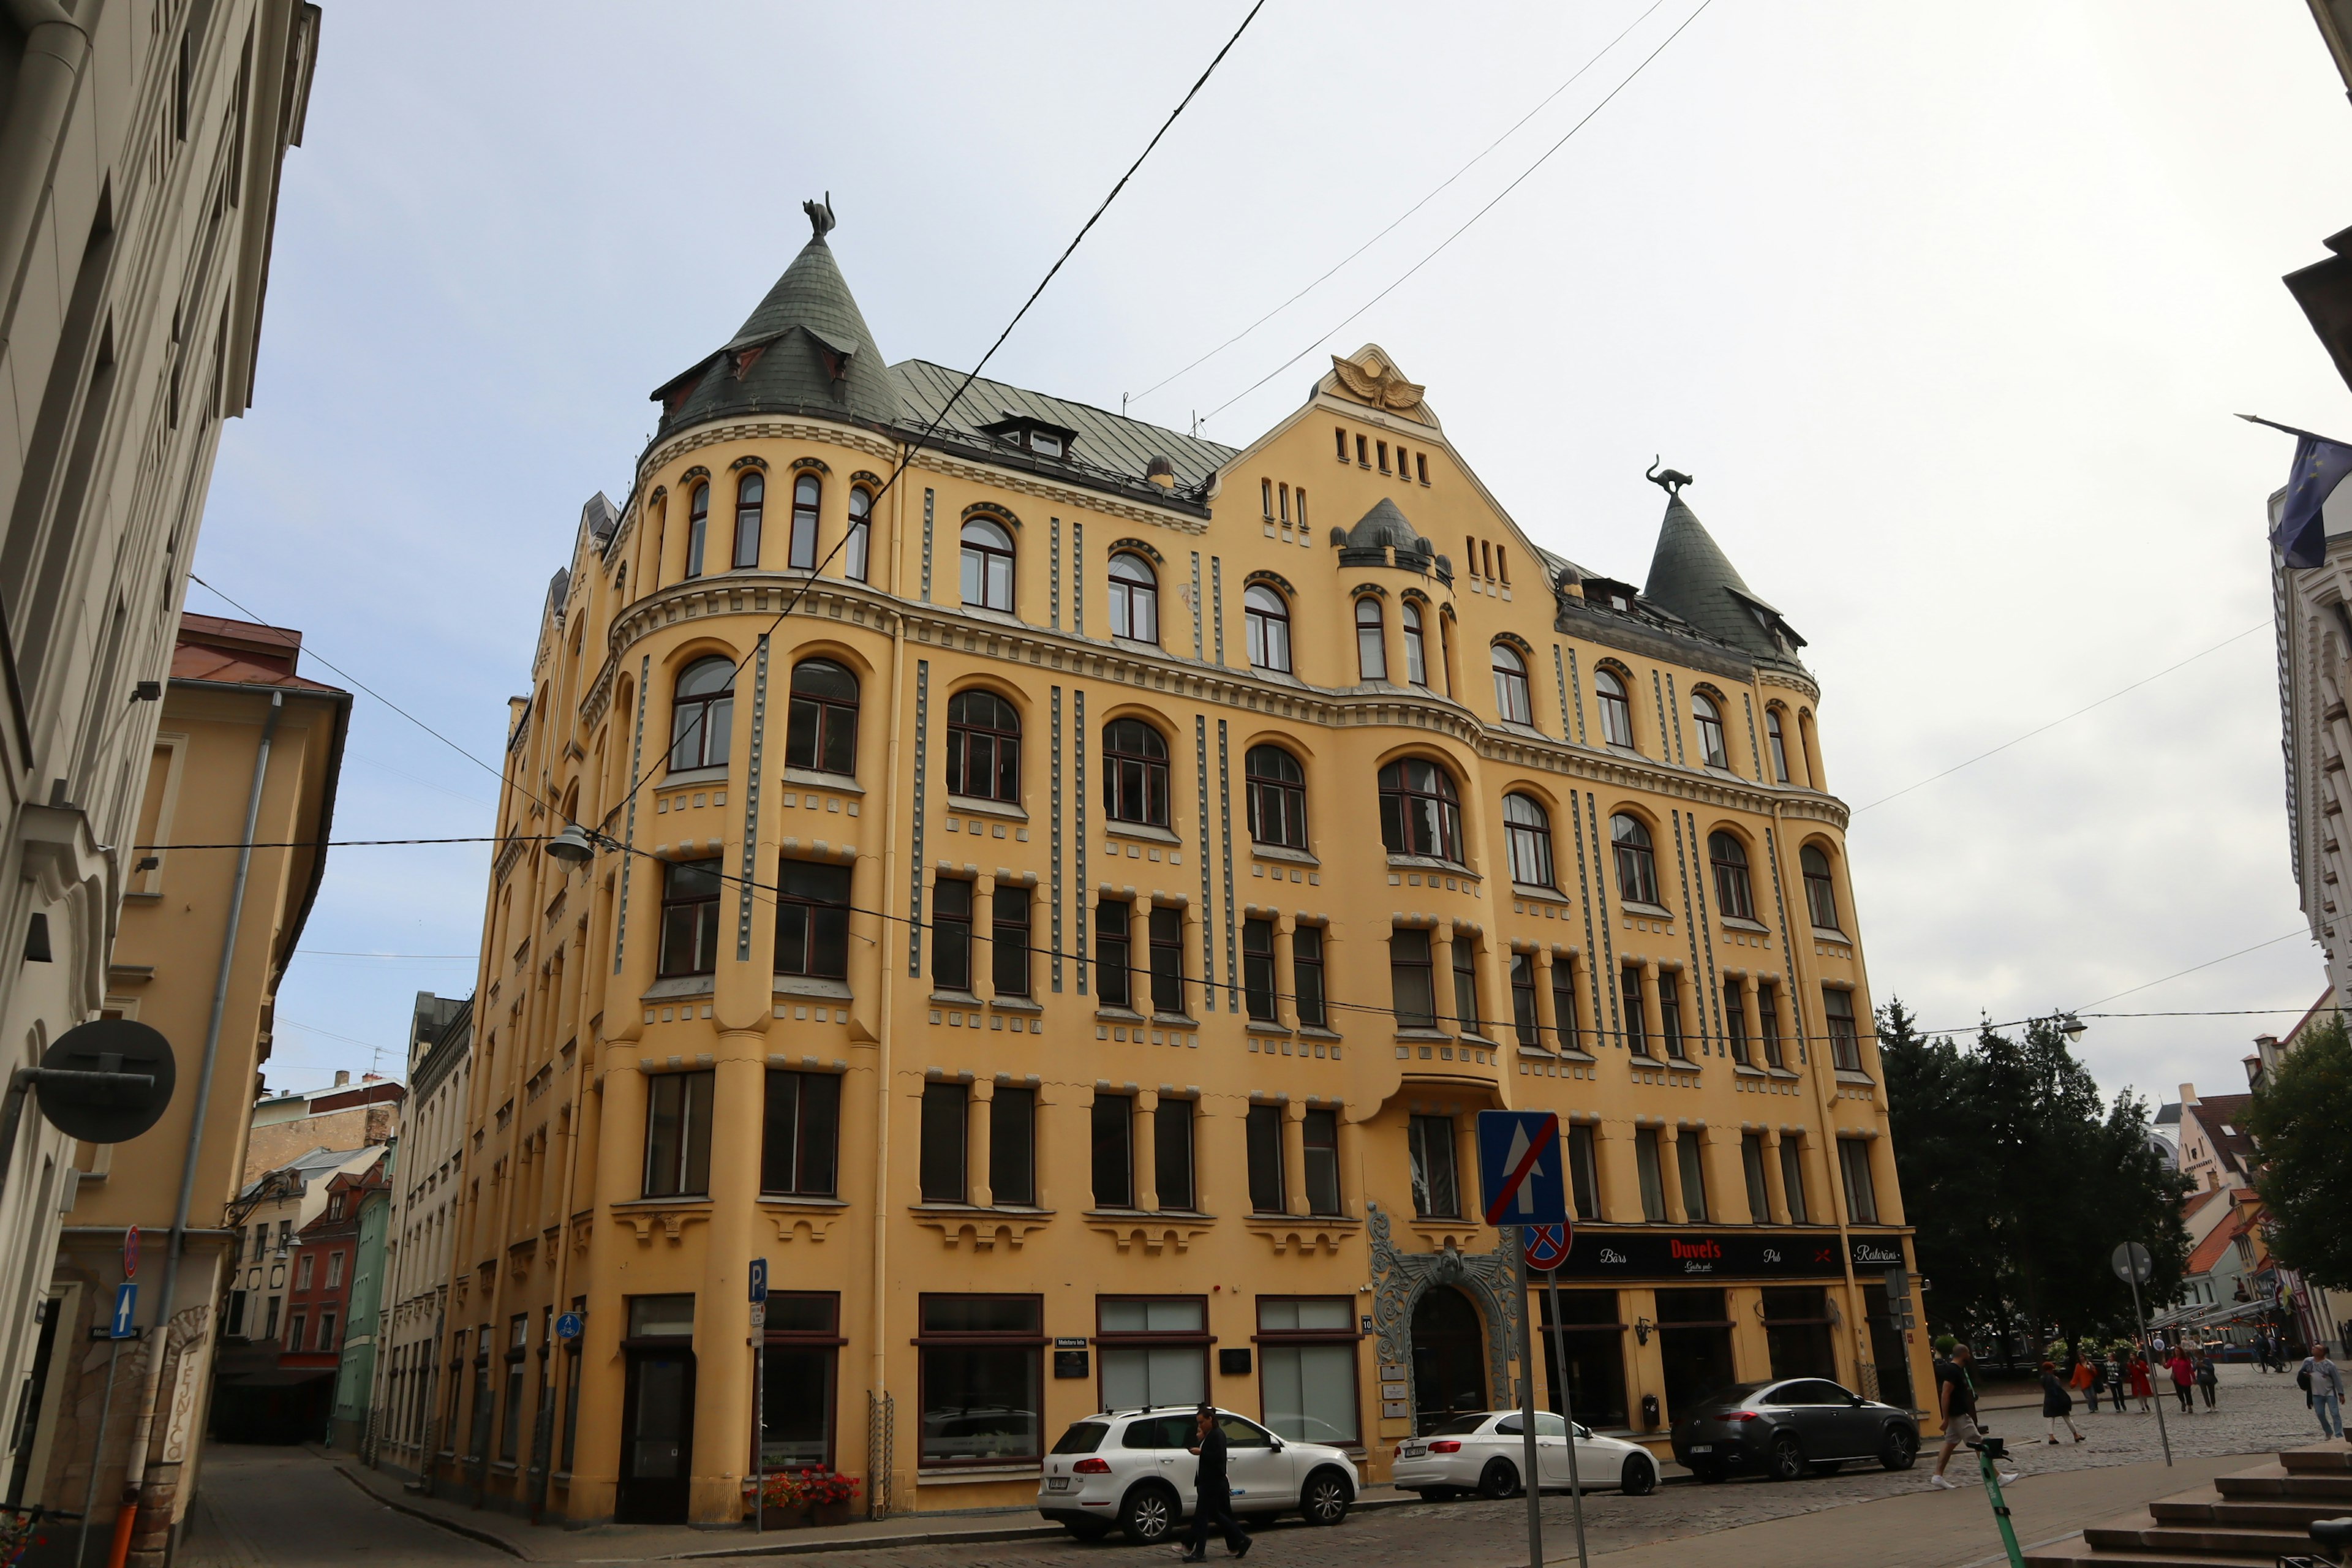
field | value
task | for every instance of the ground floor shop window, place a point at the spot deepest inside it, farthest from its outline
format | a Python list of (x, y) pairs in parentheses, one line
[(1154, 1351), (1307, 1368), (797, 1373), (511, 1429), (1888, 1353), (1590, 1346), (981, 1359), (1695, 1346), (1797, 1329)]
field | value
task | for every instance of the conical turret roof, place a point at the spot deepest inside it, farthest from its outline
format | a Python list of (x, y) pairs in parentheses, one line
[(1691, 577), (805, 350)]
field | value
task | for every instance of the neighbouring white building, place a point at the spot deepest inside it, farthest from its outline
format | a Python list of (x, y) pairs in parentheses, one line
[(2314, 625), (417, 1243)]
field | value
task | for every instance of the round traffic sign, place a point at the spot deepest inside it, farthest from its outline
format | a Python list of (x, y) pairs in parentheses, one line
[(103, 1113), (567, 1327), (1547, 1245), (2132, 1264)]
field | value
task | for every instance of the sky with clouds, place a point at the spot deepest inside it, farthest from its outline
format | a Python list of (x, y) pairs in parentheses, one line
[(1947, 308)]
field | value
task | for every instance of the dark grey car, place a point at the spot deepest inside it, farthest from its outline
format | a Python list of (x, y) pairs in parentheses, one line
[(1789, 1426)]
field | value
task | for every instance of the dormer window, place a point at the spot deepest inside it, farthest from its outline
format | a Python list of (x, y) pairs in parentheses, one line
[(1029, 435), (1044, 443)]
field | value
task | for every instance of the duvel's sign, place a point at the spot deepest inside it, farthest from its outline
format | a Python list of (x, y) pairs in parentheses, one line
[(1598, 1254)]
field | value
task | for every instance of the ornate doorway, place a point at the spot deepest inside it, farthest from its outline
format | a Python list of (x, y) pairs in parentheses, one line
[(1449, 1350)]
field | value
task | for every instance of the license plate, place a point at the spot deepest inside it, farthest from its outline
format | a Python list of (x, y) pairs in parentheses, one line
[(1411, 1451), (1701, 1447), (1058, 1483)]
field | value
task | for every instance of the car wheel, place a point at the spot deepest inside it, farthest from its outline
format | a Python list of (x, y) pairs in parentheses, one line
[(1148, 1516), (1900, 1450), (1640, 1477), (1498, 1479), (1088, 1529), (1326, 1498), (1786, 1461)]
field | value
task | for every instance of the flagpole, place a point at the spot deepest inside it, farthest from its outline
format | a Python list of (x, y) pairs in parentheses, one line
[(2306, 435)]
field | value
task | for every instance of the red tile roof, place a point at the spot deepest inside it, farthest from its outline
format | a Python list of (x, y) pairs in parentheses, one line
[(239, 653)]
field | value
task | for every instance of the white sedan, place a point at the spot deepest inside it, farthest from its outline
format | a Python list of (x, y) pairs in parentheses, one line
[(1484, 1454)]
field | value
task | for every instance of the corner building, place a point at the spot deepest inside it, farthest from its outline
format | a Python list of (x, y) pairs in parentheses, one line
[(1073, 943)]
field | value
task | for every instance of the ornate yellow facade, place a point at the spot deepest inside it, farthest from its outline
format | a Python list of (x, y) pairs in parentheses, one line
[(1061, 891)]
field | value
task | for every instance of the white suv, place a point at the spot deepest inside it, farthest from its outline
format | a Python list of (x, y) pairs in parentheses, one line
[(1129, 1469)]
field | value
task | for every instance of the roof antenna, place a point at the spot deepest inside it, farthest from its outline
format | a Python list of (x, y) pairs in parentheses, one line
[(1668, 480), (1122, 405), (1196, 424)]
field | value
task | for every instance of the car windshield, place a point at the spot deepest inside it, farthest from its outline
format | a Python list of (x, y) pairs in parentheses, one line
[(1083, 1437), (1460, 1426)]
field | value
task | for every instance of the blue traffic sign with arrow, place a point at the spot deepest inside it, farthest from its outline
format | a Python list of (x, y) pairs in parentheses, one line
[(1520, 1171), (126, 1311)]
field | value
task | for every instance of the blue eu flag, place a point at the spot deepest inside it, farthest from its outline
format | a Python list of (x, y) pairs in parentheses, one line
[(2319, 466)]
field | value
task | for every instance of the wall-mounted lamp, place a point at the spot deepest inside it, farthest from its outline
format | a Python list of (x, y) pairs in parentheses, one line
[(1642, 1327)]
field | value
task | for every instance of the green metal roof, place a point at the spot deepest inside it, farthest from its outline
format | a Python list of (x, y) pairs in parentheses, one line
[(1692, 578), (1119, 447)]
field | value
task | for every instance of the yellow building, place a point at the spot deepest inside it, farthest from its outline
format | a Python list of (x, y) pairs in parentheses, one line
[(986, 927)]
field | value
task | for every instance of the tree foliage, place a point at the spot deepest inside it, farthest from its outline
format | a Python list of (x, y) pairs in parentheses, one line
[(2021, 1182), (2298, 1120)]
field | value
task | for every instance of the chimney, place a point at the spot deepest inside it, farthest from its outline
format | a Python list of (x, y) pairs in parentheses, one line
[(342, 1077), (1160, 472), (371, 1077), (2188, 1094)]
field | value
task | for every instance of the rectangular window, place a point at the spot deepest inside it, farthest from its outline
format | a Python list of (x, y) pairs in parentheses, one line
[(1767, 1008), (1420, 466), (677, 1134), (1012, 1147), (1411, 981), (983, 1387), (1166, 961), (510, 1426), (1257, 969), (1264, 1139), (1322, 1172), (1430, 1143), (1114, 954), (812, 920), (1590, 1339), (1009, 956), (1363, 453), (1113, 1124), (1172, 1152), (326, 1330), (951, 935), (1637, 1024), (269, 1319), (802, 1134), (689, 939), (1563, 1005), (1690, 1159), (1734, 1022), (1339, 438), (942, 1165), (296, 1325), (1466, 1017), (1524, 1019), (1670, 1014), (1654, 1180), (1306, 976), (1384, 455), (334, 1270), (1155, 1351), (1861, 1195), (1751, 1166), (1583, 1172), (302, 1270), (1845, 1044), (1307, 1368), (1792, 1181)]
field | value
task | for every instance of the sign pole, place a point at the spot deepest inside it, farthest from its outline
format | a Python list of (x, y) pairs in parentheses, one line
[(2131, 1260), (98, 1455), (1531, 1476), (759, 1292), (1567, 1412)]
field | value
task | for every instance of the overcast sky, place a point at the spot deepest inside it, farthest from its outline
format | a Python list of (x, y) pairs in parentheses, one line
[(1947, 308)]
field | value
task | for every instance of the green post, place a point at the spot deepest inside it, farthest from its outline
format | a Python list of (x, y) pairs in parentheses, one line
[(1985, 1458)]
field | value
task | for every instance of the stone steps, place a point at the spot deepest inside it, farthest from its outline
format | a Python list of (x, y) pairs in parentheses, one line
[(2248, 1519)]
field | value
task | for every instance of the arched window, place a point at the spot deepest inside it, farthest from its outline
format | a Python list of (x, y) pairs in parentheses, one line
[(983, 747), (1276, 787), (1616, 713), (821, 734), (1269, 619), (805, 492), (697, 524), (1511, 686), (1777, 741), (1637, 867), (1421, 813), (701, 714), (855, 549), (750, 491), (1709, 718), (1528, 828), (1417, 650), (1733, 897), (1135, 772), (1371, 647), (987, 564), (1820, 891), (1134, 598)]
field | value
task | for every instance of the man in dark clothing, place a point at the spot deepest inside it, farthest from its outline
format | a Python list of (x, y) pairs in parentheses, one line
[(1212, 1497)]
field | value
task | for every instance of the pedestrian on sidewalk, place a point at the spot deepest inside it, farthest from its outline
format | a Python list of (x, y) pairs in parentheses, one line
[(2323, 1389), (2184, 1379), (1956, 1402), (2086, 1378), (1213, 1494), (2142, 1388), (2208, 1375), (2057, 1405)]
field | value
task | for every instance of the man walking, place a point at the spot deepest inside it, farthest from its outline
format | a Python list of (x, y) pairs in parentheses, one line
[(1213, 1496), (2323, 1384), (1956, 1402)]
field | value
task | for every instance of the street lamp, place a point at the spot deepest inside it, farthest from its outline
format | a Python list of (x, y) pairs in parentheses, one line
[(2071, 1027), (573, 846)]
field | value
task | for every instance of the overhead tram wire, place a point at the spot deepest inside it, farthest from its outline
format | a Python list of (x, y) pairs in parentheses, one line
[(1443, 244), (1436, 191)]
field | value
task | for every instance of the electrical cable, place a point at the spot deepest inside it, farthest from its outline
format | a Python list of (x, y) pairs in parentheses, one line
[(2299, 931)]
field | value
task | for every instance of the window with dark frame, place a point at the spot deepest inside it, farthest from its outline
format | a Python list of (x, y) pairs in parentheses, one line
[(1135, 772), (1307, 1368), (1371, 645), (1709, 720), (1134, 598), (1262, 1136), (1637, 863), (689, 931), (812, 920), (951, 935), (1616, 712), (1792, 1180), (510, 1426), (943, 1172), (1172, 1152), (987, 565), (1637, 1022), (1416, 646), (1513, 703), (1421, 811), (1583, 1170), (799, 1350), (1768, 1010), (1821, 890), (983, 1387), (1265, 616), (1167, 960), (1563, 1005), (1670, 1014), (983, 747), (1413, 980), (750, 491), (1468, 1016), (1845, 1039), (1647, 1164), (1009, 965), (677, 1134), (1861, 1193), (800, 1134), (1751, 1167), (1154, 1353), (702, 712), (821, 729), (1257, 969), (1114, 953), (698, 528), (1735, 897), (857, 550), (1777, 743), (1275, 793), (1734, 1023), (1306, 976), (1690, 1161), (1321, 1135), (1430, 1145), (805, 493), (1111, 1125), (1526, 1020), (1012, 1147), (1527, 827)]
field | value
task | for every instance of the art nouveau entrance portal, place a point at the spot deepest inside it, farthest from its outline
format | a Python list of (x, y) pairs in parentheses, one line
[(1449, 1351)]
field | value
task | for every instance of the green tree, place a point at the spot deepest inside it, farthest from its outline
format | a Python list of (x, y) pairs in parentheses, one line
[(2299, 1122)]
